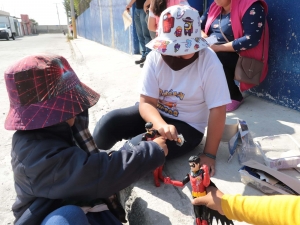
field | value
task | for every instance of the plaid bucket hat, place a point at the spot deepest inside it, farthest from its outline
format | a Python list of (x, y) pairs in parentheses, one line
[(179, 32), (44, 90)]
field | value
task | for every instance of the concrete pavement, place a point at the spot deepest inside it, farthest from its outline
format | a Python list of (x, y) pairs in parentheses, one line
[(115, 76)]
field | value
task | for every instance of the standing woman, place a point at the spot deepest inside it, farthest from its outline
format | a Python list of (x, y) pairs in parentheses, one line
[(243, 23), (141, 27)]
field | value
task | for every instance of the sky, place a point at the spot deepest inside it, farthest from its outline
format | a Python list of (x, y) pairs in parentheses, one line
[(42, 11)]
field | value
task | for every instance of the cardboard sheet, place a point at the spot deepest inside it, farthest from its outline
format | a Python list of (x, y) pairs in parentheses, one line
[(292, 182)]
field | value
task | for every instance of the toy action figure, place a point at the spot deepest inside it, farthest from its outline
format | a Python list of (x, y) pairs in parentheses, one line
[(149, 136), (200, 180)]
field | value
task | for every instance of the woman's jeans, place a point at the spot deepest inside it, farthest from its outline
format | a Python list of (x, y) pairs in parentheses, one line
[(229, 60), (128, 124), (142, 30), (73, 215)]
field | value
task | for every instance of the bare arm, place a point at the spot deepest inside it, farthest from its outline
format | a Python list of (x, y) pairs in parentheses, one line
[(130, 4), (152, 24), (150, 113), (203, 34), (216, 123), (147, 2), (227, 47)]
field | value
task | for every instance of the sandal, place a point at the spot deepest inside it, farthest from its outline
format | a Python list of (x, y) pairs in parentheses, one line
[(233, 105)]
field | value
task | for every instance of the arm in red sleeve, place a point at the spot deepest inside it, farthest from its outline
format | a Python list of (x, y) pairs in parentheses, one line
[(206, 177), (177, 183)]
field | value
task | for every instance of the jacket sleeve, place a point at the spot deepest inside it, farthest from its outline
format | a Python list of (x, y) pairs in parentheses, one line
[(72, 173), (267, 210)]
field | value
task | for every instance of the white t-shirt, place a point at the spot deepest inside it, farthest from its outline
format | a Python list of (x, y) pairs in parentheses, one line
[(189, 93)]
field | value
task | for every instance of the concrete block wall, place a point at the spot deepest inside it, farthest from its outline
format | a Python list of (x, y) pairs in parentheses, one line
[(103, 23)]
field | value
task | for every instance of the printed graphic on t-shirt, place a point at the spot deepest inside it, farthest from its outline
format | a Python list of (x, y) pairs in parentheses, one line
[(167, 102)]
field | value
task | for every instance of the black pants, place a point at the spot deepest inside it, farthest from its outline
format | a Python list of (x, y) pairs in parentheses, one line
[(201, 212), (127, 123), (229, 60)]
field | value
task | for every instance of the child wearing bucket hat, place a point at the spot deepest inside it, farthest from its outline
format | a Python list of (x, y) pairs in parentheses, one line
[(183, 90), (59, 173)]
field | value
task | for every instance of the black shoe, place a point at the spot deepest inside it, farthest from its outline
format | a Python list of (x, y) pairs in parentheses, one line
[(114, 205), (141, 65), (140, 61)]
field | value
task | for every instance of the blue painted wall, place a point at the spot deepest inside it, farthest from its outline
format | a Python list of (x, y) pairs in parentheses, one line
[(282, 84), (103, 23)]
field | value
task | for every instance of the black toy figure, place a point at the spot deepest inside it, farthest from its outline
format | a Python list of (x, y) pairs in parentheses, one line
[(200, 180)]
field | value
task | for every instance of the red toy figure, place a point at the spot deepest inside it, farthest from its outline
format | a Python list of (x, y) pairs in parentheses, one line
[(149, 136), (200, 180)]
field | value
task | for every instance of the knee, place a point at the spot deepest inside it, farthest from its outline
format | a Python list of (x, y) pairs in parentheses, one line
[(71, 209), (106, 119), (69, 214), (106, 123)]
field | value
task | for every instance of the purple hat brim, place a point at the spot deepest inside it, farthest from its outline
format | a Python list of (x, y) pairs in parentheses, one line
[(51, 111)]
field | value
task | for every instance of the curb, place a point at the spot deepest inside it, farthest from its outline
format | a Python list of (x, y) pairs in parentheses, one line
[(76, 53)]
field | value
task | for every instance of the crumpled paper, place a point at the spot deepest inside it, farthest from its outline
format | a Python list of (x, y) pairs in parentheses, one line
[(126, 19)]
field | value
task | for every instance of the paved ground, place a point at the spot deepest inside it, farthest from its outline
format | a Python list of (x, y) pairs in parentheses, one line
[(115, 76)]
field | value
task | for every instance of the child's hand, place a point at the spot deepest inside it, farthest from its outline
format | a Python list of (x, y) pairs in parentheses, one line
[(211, 200), (161, 141), (168, 132)]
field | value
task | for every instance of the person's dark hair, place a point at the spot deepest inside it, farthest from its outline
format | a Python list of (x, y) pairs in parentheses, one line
[(159, 6), (194, 159)]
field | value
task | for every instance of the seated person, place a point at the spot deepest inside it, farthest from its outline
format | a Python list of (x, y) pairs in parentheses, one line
[(240, 27), (59, 173), (183, 90)]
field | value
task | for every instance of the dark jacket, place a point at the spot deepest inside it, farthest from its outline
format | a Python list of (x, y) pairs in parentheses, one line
[(49, 167)]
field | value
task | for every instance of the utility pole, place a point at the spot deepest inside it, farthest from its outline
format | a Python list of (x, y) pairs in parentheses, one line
[(73, 19), (58, 16)]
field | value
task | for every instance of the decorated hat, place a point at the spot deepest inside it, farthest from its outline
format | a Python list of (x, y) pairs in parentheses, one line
[(179, 32), (44, 90)]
